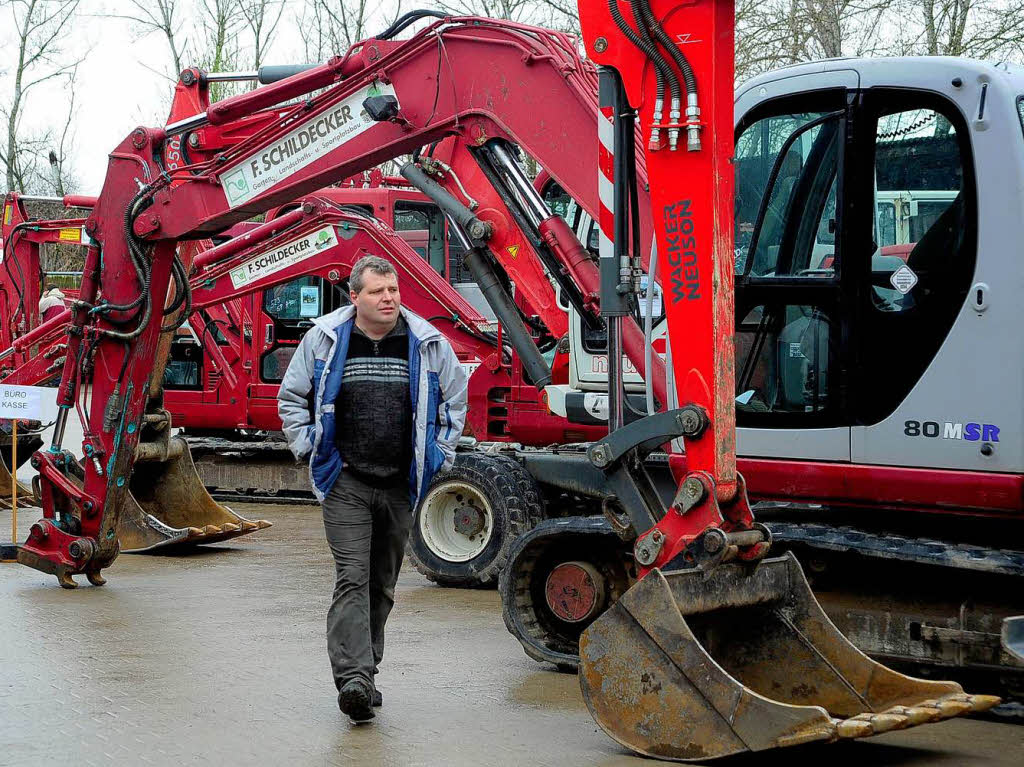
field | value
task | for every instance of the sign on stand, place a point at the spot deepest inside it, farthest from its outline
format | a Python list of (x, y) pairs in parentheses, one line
[(27, 403), (24, 402)]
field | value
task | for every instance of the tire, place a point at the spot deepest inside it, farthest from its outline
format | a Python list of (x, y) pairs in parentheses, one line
[(504, 502)]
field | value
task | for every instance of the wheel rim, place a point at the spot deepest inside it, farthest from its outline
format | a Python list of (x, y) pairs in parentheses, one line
[(456, 522)]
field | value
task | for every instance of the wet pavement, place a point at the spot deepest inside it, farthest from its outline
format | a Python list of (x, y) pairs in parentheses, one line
[(219, 658)]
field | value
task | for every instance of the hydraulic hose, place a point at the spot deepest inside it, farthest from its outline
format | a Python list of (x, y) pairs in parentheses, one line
[(690, 80), (409, 18), (180, 279), (652, 272), (662, 71), (651, 49), (652, 23)]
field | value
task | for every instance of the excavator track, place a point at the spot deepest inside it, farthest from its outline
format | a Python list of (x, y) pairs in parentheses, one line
[(922, 551), (228, 467)]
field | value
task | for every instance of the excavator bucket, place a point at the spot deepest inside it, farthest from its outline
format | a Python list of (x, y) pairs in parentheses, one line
[(26, 446), (693, 665), (168, 506)]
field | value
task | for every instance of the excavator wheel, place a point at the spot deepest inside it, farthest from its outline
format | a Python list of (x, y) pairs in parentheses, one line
[(694, 665), (560, 577), (469, 518), (168, 506), (27, 445)]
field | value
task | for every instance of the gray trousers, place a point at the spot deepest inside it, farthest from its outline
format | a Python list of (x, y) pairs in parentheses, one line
[(367, 529)]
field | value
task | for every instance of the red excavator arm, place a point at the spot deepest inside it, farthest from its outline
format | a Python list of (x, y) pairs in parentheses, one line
[(244, 155), (715, 649)]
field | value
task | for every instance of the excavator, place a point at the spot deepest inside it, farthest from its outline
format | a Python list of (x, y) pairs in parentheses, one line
[(465, 528), (533, 282), (715, 649)]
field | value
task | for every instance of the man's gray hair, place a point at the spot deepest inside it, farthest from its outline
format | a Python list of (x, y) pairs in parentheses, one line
[(375, 264)]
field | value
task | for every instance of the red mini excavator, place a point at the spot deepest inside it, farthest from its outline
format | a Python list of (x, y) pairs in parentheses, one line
[(715, 649)]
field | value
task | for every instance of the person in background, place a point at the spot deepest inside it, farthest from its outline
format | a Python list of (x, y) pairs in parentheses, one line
[(51, 304)]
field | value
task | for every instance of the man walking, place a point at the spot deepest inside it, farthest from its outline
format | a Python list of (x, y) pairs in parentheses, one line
[(376, 399)]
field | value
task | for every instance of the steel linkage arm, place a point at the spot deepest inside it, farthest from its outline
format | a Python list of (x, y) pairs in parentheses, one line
[(686, 124)]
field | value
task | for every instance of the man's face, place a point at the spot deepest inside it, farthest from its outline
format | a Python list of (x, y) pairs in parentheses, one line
[(377, 303)]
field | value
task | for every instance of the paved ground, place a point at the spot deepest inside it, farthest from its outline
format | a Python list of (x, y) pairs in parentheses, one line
[(218, 658)]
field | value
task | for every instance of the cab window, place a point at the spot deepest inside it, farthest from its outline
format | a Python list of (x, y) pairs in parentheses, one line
[(786, 171), (427, 218)]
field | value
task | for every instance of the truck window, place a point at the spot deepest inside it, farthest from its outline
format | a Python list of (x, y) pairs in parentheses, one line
[(784, 356), (917, 164)]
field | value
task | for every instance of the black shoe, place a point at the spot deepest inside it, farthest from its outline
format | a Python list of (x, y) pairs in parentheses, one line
[(378, 699), (355, 699)]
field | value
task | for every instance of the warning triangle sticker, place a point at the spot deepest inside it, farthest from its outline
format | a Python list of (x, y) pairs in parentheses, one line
[(513, 250)]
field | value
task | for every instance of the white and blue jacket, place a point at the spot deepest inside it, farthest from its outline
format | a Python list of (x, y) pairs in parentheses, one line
[(305, 402)]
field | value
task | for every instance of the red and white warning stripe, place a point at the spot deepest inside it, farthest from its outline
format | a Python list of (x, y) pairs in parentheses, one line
[(606, 181)]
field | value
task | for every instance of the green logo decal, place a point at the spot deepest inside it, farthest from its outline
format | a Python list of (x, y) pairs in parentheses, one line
[(323, 239), (238, 276), (236, 187)]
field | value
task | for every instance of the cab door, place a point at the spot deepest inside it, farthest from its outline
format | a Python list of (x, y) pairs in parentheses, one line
[(791, 342)]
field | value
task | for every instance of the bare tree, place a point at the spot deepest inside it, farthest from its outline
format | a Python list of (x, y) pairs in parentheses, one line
[(219, 26), (41, 29), (262, 18), (526, 11), (977, 28), (62, 173), (331, 27), (162, 17)]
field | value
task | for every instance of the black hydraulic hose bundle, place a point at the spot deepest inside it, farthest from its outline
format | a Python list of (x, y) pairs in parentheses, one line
[(182, 296), (689, 78), (405, 20), (651, 49), (662, 71), (19, 285), (647, 37)]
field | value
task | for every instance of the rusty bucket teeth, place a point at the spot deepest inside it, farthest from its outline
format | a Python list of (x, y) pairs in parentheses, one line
[(168, 506), (883, 722), (692, 666), (917, 714), (854, 728), (981, 703)]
